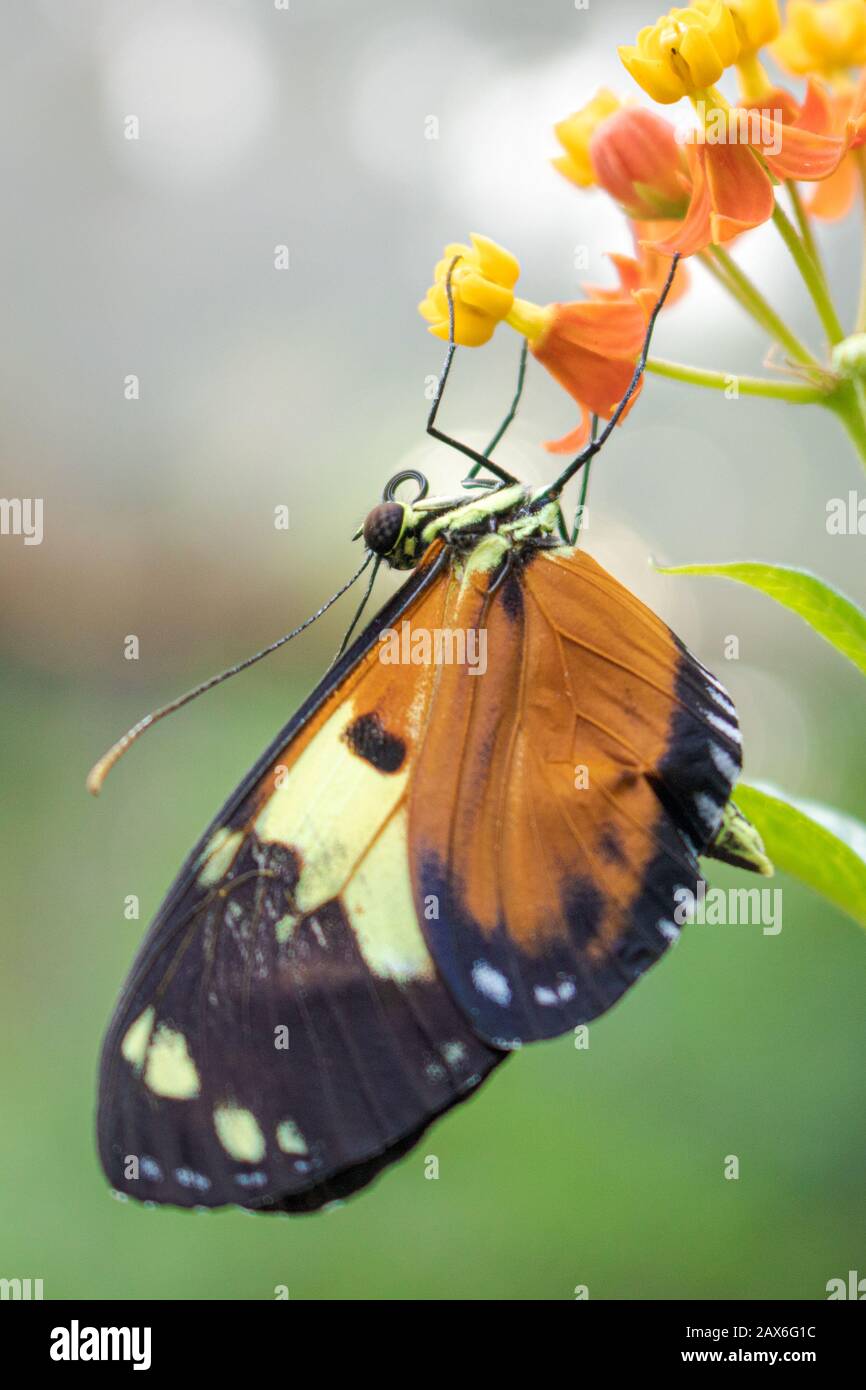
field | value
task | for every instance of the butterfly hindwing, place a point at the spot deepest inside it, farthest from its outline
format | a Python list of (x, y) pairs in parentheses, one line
[(596, 756), (285, 1033)]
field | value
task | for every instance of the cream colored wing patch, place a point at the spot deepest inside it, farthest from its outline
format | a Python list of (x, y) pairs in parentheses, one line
[(341, 809), (162, 1055)]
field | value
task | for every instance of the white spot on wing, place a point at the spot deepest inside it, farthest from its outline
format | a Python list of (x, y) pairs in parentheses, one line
[(188, 1178), (491, 983), (251, 1179), (689, 844), (555, 994), (720, 697), (669, 931), (725, 763), (290, 1139), (709, 811), (724, 726)]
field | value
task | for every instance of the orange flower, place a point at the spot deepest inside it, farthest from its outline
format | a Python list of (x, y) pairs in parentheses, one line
[(834, 197), (831, 112), (644, 274), (731, 193), (731, 160), (591, 347), (638, 161), (629, 152)]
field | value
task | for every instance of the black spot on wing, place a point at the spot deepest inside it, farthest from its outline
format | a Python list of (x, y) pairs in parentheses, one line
[(584, 908), (368, 737), (278, 866), (610, 846), (511, 592)]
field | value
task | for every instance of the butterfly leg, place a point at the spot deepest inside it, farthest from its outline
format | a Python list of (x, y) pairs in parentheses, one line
[(471, 480), (480, 460), (503, 574), (596, 444), (580, 509), (581, 505)]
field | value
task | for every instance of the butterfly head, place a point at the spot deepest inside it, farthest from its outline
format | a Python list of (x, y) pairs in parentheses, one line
[(392, 531)]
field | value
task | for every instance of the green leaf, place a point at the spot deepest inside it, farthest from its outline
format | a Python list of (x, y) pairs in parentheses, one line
[(833, 616), (820, 846)]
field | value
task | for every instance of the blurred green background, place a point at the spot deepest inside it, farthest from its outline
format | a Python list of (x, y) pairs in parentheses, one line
[(307, 388)]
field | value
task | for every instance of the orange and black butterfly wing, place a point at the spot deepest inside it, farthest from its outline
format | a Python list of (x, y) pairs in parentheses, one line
[(284, 1033), (595, 758)]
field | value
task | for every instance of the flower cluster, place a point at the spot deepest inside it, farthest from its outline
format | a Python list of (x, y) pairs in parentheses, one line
[(693, 189), (590, 347)]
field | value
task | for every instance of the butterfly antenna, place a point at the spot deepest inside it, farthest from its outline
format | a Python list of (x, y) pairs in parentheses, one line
[(584, 491), (101, 769), (361, 606)]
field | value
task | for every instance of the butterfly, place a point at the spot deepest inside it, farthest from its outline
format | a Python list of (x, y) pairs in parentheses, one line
[(471, 836)]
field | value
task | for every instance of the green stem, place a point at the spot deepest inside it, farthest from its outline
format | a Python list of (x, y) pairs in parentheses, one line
[(861, 312), (812, 276), (845, 400), (804, 226), (763, 313), (848, 405), (718, 274), (746, 385)]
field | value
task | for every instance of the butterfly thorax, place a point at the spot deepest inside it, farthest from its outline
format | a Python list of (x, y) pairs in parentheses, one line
[(509, 519)]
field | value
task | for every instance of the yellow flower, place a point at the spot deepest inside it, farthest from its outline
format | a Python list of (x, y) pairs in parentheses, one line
[(684, 52), (824, 39), (482, 287), (757, 22), (575, 133)]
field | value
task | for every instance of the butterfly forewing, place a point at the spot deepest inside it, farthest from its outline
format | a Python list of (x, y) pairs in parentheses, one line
[(285, 1032)]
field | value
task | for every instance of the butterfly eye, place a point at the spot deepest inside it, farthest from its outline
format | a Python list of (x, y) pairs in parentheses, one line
[(384, 526)]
